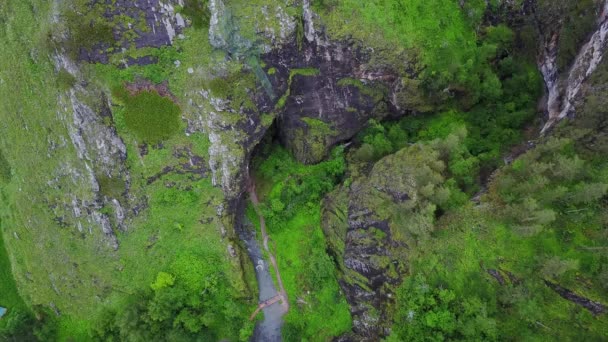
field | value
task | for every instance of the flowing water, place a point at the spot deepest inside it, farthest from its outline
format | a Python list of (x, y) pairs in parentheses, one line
[(562, 96), (268, 329)]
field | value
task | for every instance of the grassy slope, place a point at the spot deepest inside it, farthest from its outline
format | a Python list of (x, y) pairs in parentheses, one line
[(435, 30), (86, 273), (31, 122)]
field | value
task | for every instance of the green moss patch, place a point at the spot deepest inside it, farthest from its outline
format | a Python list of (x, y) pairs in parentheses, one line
[(65, 80), (111, 187), (198, 12), (151, 117), (292, 73), (5, 170)]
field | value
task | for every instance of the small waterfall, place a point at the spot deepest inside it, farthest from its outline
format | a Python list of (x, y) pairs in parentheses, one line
[(560, 96), (224, 35), (260, 74)]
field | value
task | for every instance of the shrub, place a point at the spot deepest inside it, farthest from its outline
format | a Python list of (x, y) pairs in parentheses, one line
[(430, 313)]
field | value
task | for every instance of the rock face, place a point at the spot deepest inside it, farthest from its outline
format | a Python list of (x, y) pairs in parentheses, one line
[(330, 90), (371, 258), (150, 24), (103, 153), (591, 117), (233, 128)]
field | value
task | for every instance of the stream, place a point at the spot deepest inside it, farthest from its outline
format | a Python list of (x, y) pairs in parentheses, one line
[(224, 35), (268, 329)]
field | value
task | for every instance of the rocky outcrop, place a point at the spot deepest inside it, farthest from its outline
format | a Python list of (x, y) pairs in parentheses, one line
[(371, 258), (330, 90), (103, 153), (370, 225), (371, 222)]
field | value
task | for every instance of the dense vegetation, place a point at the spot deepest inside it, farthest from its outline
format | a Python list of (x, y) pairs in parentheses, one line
[(291, 195), (194, 302), (486, 272), (438, 39)]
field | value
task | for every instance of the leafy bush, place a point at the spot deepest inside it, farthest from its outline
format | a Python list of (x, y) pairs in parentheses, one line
[(20, 325), (544, 182)]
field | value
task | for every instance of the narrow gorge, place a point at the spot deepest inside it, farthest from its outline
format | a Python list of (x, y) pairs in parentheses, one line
[(303, 170)]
